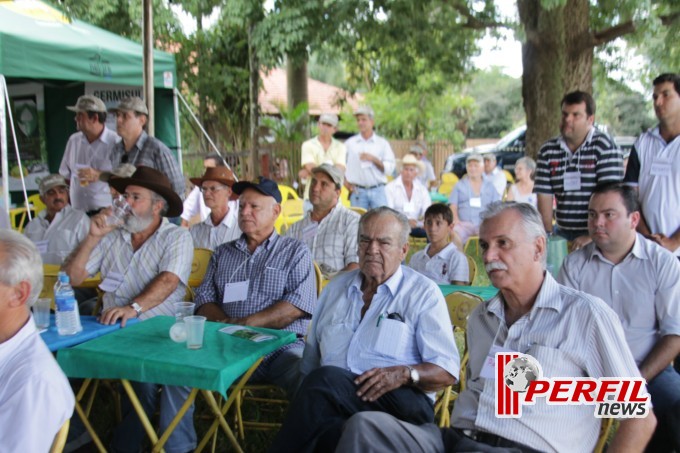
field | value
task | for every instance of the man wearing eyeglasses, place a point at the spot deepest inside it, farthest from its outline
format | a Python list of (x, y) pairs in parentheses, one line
[(145, 266), (222, 224), (138, 148), (381, 341)]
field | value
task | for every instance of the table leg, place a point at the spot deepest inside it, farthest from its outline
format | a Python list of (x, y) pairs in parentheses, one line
[(175, 421), (220, 413), (83, 417), (140, 411)]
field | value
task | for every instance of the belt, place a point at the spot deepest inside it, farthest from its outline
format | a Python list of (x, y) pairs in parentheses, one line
[(368, 187), (494, 440)]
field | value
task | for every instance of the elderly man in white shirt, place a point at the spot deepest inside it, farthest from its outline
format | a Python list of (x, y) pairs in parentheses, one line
[(640, 280), (370, 160), (193, 203), (329, 229), (494, 174), (35, 396), (381, 341), (59, 228), (222, 224), (407, 195)]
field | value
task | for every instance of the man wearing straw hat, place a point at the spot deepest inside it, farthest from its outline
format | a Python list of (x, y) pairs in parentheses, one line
[(408, 195), (222, 224), (145, 267)]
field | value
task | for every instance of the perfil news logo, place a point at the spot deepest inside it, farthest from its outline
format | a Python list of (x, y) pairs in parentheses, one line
[(520, 381)]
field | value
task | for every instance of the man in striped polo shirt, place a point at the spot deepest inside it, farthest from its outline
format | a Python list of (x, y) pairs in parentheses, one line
[(571, 165)]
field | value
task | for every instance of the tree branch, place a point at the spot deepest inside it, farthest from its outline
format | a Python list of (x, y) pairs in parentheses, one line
[(612, 33), (474, 22)]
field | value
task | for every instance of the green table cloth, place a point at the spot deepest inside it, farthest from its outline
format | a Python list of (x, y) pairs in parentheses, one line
[(144, 352), (437, 197), (485, 292)]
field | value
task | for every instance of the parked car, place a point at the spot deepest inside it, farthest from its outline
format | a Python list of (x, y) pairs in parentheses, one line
[(512, 147)]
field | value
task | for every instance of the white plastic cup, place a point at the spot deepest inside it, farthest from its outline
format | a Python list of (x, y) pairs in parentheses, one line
[(41, 312), (194, 327), (183, 309)]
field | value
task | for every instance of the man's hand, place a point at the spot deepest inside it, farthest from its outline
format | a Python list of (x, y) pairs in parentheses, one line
[(98, 226), (375, 382), (664, 241), (580, 242), (367, 157), (413, 223), (88, 174), (112, 315)]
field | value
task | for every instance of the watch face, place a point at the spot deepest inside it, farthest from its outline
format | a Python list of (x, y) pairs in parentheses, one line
[(415, 377)]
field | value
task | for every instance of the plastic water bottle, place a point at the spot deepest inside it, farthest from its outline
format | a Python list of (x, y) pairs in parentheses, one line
[(67, 315)]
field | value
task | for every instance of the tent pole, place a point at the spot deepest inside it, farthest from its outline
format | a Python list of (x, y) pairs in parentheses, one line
[(16, 148), (148, 67), (3, 145), (178, 136)]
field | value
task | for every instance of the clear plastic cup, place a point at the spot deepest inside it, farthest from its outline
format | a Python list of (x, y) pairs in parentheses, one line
[(120, 209), (194, 328), (178, 332), (41, 312)]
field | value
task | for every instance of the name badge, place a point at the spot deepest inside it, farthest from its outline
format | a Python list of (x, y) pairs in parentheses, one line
[(309, 232), (572, 181), (476, 202), (42, 246), (489, 367), (366, 164), (661, 167), (111, 282), (235, 292)]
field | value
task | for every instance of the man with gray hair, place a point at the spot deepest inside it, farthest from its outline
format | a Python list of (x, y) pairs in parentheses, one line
[(35, 396), (568, 332), (381, 341), (329, 229), (370, 160), (494, 174)]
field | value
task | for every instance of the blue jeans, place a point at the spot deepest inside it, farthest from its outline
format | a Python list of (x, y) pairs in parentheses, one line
[(129, 435), (368, 198), (665, 392)]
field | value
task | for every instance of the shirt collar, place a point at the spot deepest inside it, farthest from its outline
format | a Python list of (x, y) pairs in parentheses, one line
[(548, 298), (638, 251), (229, 220), (391, 284), (142, 140), (586, 142), (268, 243)]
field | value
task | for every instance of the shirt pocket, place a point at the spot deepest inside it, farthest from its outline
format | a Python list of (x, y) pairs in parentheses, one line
[(392, 339), (555, 362), (332, 341), (272, 283)]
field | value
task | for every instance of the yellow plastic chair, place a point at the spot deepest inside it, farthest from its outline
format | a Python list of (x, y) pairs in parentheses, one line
[(36, 206), (292, 210), (509, 177), (472, 246), (460, 304), (199, 265), (472, 264), (318, 278), (344, 197), (288, 192), (449, 181), (60, 439), (358, 210), (605, 427)]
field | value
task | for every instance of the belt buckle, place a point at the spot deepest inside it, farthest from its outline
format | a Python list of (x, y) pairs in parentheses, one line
[(471, 433)]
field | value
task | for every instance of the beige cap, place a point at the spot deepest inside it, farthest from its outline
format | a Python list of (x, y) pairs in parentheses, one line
[(474, 156), (50, 182), (133, 104), (88, 103), (332, 171), (364, 110), (329, 118)]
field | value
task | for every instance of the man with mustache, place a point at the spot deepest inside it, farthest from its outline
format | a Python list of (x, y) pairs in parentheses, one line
[(640, 280), (569, 333), (59, 228), (381, 341), (145, 266)]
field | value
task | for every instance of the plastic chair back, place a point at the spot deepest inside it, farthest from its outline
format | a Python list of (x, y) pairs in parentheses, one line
[(199, 265), (288, 192), (472, 264), (60, 439)]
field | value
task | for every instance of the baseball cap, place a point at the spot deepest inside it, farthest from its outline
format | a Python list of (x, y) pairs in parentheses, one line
[(263, 185), (88, 103), (133, 104), (332, 171), (329, 118), (474, 156), (364, 110), (51, 181)]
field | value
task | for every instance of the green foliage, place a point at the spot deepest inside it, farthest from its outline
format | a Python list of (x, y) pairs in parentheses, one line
[(289, 127), (498, 99)]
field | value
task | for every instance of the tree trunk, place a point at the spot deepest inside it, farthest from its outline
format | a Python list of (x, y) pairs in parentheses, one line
[(557, 57), (296, 75), (254, 67)]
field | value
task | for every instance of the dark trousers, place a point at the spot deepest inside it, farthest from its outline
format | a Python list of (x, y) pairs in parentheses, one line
[(327, 398)]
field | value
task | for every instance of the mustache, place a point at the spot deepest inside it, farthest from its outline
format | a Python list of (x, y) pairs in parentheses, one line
[(495, 266)]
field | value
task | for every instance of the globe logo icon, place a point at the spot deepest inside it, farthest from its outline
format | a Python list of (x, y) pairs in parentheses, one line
[(520, 372)]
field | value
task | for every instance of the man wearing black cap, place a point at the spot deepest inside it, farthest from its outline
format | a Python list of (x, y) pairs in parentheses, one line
[(262, 280), (138, 148), (88, 154), (145, 267)]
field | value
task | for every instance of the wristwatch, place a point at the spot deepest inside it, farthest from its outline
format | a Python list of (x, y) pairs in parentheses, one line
[(136, 307), (414, 376)]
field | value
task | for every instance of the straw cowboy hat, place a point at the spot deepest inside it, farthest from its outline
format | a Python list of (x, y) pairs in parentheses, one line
[(410, 159)]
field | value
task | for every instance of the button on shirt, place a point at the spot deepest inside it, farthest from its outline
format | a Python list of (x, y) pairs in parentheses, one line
[(68, 229), (339, 337), (168, 249), (365, 173), (280, 269), (570, 333), (642, 289), (314, 153), (333, 241), (654, 167), (151, 152), (462, 195), (445, 267), (208, 236), (598, 161), (413, 209), (80, 153), (35, 396)]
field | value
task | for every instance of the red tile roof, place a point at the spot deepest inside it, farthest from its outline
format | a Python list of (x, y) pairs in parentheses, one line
[(323, 98)]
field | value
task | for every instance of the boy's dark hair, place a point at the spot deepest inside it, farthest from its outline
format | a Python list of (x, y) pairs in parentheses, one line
[(440, 209), (576, 97), (668, 77), (628, 194)]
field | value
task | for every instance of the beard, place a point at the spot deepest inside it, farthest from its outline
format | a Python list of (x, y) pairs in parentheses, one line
[(137, 223)]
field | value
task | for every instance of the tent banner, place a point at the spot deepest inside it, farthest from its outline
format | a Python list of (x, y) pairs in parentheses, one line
[(28, 113), (112, 95)]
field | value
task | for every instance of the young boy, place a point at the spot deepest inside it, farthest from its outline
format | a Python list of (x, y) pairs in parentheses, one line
[(441, 260)]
